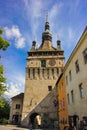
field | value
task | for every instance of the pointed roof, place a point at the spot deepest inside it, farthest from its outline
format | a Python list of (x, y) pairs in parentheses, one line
[(46, 38), (46, 44)]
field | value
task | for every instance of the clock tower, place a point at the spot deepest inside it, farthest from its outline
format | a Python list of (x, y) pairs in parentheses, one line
[(43, 67)]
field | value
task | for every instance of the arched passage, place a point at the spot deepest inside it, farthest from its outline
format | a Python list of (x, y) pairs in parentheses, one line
[(35, 120)]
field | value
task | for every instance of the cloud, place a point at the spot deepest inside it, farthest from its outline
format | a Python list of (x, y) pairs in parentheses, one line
[(14, 33), (12, 89), (55, 10), (33, 8), (20, 42), (15, 84), (34, 12)]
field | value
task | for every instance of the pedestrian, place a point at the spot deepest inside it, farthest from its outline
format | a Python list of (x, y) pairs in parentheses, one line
[(30, 127)]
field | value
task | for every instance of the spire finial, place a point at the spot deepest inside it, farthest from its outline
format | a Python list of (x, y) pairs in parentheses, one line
[(57, 37), (47, 17)]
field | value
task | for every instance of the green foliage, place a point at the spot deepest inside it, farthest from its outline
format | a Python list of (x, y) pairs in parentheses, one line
[(1, 31), (3, 43), (3, 121), (5, 110), (2, 81), (3, 46)]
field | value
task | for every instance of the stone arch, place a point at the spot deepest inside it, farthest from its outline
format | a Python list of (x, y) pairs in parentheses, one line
[(35, 120)]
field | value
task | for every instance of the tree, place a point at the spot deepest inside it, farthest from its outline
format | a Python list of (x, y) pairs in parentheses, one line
[(4, 111), (3, 43), (3, 46)]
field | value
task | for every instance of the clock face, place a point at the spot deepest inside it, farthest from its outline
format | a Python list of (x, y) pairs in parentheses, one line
[(52, 62)]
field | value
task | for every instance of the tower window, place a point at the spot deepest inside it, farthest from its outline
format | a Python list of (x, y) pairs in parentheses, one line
[(48, 73), (43, 72), (57, 71), (29, 73), (85, 55), (53, 73), (33, 73), (38, 72), (49, 88), (43, 63)]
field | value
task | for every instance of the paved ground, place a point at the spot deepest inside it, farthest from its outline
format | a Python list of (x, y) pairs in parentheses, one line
[(9, 127), (12, 127)]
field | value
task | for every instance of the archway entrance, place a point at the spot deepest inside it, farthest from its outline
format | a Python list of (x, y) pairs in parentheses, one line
[(35, 120)]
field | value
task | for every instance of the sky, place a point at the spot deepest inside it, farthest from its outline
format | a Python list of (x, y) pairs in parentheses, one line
[(24, 20)]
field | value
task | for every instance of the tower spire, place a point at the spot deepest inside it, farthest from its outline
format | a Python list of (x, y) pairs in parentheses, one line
[(47, 17), (47, 26)]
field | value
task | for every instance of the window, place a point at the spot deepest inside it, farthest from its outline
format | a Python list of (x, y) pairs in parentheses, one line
[(77, 66), (43, 72), (85, 55), (72, 96), (57, 71), (29, 73), (48, 73), (50, 88), (68, 99), (53, 73), (38, 72), (81, 91), (67, 80), (34, 73), (70, 76), (17, 106), (43, 63)]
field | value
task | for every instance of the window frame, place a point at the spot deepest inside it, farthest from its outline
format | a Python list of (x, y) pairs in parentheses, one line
[(70, 75), (68, 98), (43, 63), (17, 106), (72, 96), (81, 90), (77, 66), (49, 88), (85, 56)]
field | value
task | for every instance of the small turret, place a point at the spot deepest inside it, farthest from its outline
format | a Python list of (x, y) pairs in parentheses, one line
[(33, 45), (58, 45)]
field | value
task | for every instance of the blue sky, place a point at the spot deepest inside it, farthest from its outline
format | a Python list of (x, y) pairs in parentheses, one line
[(24, 20)]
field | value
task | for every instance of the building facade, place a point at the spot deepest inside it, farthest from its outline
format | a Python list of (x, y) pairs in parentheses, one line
[(16, 109), (62, 103), (44, 65), (75, 72)]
